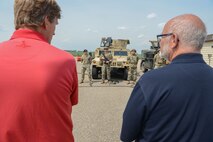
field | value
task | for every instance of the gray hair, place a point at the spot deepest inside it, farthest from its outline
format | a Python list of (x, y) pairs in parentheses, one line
[(190, 32)]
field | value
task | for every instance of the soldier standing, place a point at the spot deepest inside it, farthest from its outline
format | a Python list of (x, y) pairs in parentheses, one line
[(86, 62), (106, 58), (159, 61), (132, 71)]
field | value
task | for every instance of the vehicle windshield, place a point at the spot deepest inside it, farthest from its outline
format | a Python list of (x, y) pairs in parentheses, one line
[(120, 53), (102, 52)]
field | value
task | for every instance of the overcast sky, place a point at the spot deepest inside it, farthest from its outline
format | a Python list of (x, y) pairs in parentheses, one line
[(85, 22)]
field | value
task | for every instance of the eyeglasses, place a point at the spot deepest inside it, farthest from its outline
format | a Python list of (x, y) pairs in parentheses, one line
[(159, 37)]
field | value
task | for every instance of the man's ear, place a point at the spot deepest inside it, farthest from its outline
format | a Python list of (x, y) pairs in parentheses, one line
[(45, 23), (174, 41)]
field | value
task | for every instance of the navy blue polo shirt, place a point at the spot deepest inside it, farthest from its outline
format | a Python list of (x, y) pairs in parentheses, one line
[(172, 104)]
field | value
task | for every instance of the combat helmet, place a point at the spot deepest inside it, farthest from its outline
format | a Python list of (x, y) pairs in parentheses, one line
[(85, 50), (133, 50)]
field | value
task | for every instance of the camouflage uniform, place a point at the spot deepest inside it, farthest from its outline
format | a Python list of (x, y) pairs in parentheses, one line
[(132, 71), (106, 65), (86, 62), (159, 61)]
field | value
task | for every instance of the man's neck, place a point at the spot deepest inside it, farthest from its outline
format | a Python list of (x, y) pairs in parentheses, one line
[(184, 50)]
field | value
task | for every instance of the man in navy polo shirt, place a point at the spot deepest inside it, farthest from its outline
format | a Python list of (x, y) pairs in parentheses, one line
[(174, 103)]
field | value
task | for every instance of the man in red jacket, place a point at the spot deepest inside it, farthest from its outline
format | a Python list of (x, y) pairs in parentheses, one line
[(38, 82)]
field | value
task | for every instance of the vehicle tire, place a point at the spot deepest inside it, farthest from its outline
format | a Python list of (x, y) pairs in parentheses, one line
[(143, 69), (125, 76), (94, 73)]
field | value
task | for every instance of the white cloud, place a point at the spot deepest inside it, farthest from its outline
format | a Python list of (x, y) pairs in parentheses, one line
[(161, 25), (140, 36), (91, 30), (151, 15), (121, 28)]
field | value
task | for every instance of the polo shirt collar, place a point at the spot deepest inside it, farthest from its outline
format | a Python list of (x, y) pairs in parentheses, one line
[(188, 58), (27, 33)]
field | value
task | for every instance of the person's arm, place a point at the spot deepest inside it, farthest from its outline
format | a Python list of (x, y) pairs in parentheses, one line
[(133, 117), (137, 60), (111, 58), (74, 96), (155, 58), (90, 59), (128, 59)]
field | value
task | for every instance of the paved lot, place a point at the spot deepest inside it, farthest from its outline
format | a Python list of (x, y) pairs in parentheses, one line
[(98, 116)]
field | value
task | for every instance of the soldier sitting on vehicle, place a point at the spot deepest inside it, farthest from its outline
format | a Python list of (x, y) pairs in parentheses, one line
[(106, 42), (132, 70), (106, 58), (86, 62), (159, 61)]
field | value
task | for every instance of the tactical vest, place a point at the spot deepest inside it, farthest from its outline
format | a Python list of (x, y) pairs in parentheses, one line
[(86, 59), (108, 56), (133, 60), (159, 61)]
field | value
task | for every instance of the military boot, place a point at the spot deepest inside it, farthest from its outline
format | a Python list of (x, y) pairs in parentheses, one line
[(102, 82), (90, 83), (134, 82)]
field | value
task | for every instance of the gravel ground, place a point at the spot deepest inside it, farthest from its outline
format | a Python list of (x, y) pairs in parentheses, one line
[(98, 116)]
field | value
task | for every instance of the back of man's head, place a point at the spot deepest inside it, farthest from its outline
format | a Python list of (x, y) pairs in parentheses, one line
[(31, 13), (190, 29)]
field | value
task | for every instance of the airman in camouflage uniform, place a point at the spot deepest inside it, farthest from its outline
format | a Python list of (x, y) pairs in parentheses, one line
[(86, 62), (106, 58), (159, 61), (132, 70)]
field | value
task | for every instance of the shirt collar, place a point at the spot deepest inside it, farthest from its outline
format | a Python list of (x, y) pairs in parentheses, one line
[(188, 58), (27, 33)]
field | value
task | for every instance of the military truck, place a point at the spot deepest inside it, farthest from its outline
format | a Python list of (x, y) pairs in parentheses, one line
[(147, 57), (119, 51)]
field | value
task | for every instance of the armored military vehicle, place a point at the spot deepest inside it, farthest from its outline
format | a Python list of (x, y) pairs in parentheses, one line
[(119, 51), (147, 57)]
